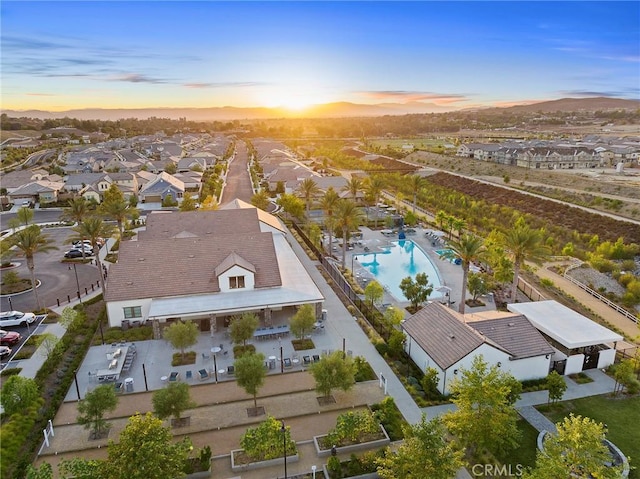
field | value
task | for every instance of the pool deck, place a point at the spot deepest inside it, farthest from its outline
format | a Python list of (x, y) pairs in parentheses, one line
[(450, 274)]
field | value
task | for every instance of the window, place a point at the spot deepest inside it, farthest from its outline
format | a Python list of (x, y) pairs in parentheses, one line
[(236, 282), (132, 312)]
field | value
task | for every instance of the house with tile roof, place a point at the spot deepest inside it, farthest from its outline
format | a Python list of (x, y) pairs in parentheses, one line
[(207, 267), (438, 337), (163, 185)]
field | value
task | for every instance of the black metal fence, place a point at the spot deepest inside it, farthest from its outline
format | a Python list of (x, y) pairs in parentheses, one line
[(368, 311)]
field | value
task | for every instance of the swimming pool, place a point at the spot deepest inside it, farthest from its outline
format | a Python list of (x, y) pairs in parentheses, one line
[(404, 258)]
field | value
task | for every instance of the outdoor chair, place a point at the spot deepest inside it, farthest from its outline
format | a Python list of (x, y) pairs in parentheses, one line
[(316, 358), (189, 374), (231, 370), (287, 363), (174, 376), (206, 356), (306, 360), (203, 374)]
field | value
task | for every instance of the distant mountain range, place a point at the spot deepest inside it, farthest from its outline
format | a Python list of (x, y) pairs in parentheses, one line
[(327, 110)]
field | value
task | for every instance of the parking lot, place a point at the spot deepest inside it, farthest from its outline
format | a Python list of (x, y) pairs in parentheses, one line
[(57, 279)]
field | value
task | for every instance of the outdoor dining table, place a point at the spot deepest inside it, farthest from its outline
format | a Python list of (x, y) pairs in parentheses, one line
[(114, 367)]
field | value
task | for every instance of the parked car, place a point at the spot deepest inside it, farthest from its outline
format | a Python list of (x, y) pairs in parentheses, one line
[(77, 243), (77, 253), (9, 338), (4, 351), (16, 318)]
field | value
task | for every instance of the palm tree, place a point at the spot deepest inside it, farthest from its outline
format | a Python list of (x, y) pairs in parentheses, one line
[(416, 182), (374, 187), (348, 218), (468, 248), (458, 225), (353, 186), (78, 209), (30, 241), (524, 244), (441, 218), (308, 189), (328, 204), (93, 228)]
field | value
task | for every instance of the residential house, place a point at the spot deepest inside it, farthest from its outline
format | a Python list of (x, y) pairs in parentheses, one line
[(159, 188), (42, 191)]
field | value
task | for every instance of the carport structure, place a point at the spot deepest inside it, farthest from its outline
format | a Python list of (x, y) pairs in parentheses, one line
[(579, 342)]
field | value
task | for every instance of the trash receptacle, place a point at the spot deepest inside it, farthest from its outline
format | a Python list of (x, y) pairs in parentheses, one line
[(272, 362), (324, 315), (128, 385)]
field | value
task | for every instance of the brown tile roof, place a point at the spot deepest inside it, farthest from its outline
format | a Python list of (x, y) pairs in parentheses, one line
[(203, 224), (443, 335), (232, 260), (177, 266), (515, 334)]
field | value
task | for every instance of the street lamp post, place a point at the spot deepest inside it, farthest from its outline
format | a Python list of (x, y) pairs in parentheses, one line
[(313, 471), (77, 281), (284, 447)]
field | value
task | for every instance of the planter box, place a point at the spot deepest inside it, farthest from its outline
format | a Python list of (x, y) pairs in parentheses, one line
[(199, 475), (371, 475), (257, 465), (363, 446)]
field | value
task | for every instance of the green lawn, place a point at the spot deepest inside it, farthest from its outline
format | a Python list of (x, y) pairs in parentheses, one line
[(620, 415), (525, 454)]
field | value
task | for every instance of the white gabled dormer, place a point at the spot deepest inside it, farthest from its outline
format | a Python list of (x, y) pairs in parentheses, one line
[(235, 274)]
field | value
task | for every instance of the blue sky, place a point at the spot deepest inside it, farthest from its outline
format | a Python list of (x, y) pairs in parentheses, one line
[(120, 54)]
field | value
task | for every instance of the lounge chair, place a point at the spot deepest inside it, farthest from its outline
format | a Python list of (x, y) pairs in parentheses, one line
[(287, 363), (316, 358), (306, 360), (189, 374), (203, 374), (174, 376), (231, 370)]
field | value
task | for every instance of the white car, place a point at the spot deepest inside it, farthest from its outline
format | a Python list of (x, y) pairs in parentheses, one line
[(16, 318)]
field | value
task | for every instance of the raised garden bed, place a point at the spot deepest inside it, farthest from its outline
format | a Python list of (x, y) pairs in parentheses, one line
[(380, 440), (241, 462)]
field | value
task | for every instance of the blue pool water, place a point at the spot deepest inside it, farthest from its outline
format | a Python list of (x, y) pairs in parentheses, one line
[(404, 258)]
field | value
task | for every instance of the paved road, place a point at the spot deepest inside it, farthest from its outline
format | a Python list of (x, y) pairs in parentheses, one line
[(238, 184)]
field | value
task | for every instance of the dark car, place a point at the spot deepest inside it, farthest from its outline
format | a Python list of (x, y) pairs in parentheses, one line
[(77, 253), (9, 338)]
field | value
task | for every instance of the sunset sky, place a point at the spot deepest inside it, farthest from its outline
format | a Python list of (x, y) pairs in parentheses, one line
[(133, 54)]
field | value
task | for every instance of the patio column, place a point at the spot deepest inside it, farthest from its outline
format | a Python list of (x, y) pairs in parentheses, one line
[(318, 311), (267, 316), (155, 325), (213, 326)]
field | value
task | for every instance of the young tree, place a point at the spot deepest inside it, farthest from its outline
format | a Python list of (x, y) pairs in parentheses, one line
[(261, 200), (45, 471), (333, 371), (292, 205), (416, 291), (92, 408), (485, 417), (373, 292), (468, 248), (250, 374), (18, 394), (393, 316), (577, 450), (145, 450), (30, 241), (242, 328), (171, 168), (424, 453), (625, 376), (429, 383), (476, 285), (24, 215), (172, 400), (556, 386), (188, 203), (182, 335), (302, 322), (48, 342)]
